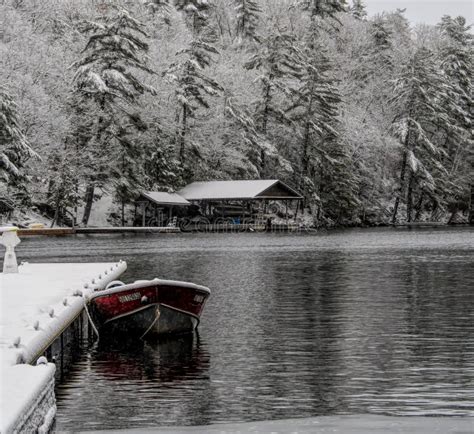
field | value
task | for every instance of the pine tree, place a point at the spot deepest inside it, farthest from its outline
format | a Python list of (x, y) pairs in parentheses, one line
[(127, 173), (419, 90), (324, 9), (243, 134), (194, 89), (382, 40), (248, 16), (106, 77), (326, 175), (62, 187), (358, 9), (399, 28), (277, 60), (163, 170), (457, 63), (15, 149), (160, 8), (197, 14)]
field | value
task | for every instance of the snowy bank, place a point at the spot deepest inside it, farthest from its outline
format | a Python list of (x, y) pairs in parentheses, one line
[(37, 305)]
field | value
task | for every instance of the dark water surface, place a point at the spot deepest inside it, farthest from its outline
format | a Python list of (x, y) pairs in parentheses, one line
[(374, 321)]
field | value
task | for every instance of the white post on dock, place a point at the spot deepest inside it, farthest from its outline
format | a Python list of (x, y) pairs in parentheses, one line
[(9, 239)]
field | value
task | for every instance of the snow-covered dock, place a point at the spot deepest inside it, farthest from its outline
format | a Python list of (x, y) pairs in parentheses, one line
[(39, 304)]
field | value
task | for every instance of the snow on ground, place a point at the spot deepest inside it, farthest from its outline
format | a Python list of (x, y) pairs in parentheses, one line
[(100, 211), (27, 217)]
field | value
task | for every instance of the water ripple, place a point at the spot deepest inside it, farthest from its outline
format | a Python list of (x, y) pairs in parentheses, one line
[(347, 322)]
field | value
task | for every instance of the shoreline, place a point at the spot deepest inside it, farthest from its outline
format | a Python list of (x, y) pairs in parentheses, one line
[(220, 228), (347, 424)]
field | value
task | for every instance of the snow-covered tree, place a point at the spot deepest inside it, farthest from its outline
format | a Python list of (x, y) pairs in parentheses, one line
[(15, 149), (162, 168), (358, 9), (107, 76), (194, 89), (109, 139), (161, 8), (127, 172), (325, 9), (419, 90), (381, 51), (63, 184), (247, 19), (197, 14), (325, 176), (244, 134), (314, 108), (277, 61), (398, 26), (380, 33), (457, 63)]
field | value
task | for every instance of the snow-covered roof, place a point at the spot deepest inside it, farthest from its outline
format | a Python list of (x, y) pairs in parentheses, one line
[(239, 190), (163, 198)]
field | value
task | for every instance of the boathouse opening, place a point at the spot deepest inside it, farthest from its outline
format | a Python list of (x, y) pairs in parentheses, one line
[(244, 200), (158, 208)]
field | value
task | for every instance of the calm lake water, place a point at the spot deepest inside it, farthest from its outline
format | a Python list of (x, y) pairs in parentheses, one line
[(374, 321)]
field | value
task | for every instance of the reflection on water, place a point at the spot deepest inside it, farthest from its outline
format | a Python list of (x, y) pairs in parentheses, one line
[(127, 379), (363, 321)]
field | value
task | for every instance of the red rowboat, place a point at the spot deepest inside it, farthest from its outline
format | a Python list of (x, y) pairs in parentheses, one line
[(148, 307)]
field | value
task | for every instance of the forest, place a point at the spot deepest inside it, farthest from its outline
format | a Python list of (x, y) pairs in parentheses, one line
[(369, 117)]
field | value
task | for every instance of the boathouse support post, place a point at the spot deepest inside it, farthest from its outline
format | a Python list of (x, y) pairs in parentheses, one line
[(143, 214), (471, 206)]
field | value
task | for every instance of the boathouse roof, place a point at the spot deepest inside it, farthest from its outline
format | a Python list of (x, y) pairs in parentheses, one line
[(239, 190), (163, 198)]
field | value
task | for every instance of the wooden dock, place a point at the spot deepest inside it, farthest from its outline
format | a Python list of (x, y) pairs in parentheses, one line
[(428, 224), (131, 230), (47, 231), (102, 230), (189, 227), (239, 228)]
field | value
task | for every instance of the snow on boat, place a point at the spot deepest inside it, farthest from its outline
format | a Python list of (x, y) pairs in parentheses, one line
[(148, 307)]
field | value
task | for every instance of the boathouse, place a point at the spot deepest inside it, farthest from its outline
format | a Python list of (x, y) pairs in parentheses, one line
[(241, 199), (158, 208), (232, 200)]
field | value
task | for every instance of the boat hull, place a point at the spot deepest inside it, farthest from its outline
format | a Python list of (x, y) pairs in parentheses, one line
[(151, 320), (148, 308)]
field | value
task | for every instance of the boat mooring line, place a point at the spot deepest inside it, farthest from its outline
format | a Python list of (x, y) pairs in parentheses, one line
[(90, 319), (157, 316)]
